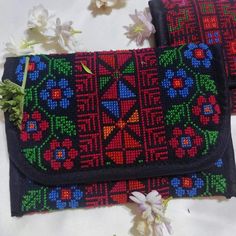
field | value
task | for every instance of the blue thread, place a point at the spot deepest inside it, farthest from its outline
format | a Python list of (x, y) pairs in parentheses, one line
[(57, 93), (199, 54), (72, 200), (113, 107), (35, 67), (177, 83), (219, 163), (124, 91)]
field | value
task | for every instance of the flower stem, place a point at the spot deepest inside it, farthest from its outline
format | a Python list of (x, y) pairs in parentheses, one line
[(28, 44), (27, 59), (76, 31), (25, 73)]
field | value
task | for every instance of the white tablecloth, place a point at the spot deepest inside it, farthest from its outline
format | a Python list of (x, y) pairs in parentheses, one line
[(101, 32)]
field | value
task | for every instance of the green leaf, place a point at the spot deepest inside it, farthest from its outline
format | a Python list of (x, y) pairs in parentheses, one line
[(168, 57), (12, 100), (32, 200), (176, 114), (12, 97), (86, 69), (65, 126), (33, 156), (28, 97), (207, 84), (62, 66), (212, 136), (210, 139), (217, 183)]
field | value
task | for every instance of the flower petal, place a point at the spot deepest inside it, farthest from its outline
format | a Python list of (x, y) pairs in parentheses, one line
[(138, 197), (153, 197)]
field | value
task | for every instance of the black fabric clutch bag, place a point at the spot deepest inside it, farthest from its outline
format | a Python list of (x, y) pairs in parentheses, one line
[(97, 126)]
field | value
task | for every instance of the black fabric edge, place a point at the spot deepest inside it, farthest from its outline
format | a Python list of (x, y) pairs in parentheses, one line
[(230, 166), (159, 21), (15, 191)]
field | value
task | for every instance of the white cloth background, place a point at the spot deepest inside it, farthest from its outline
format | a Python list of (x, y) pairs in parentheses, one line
[(103, 32)]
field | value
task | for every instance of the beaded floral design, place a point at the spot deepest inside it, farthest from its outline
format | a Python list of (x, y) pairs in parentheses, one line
[(187, 186), (33, 126), (34, 68), (207, 109), (199, 54), (177, 83), (61, 154), (57, 94), (65, 197), (201, 107), (41, 125), (185, 142)]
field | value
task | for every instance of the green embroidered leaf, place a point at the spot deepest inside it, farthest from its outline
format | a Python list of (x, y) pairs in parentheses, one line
[(32, 200), (62, 66), (168, 57), (207, 84), (175, 114), (86, 69), (65, 126), (210, 139), (33, 156), (28, 97), (217, 183), (212, 136)]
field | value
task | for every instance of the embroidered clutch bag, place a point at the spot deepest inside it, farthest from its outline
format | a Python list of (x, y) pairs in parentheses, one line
[(97, 126), (179, 22)]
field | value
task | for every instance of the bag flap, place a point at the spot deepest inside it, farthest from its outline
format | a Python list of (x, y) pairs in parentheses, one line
[(115, 115)]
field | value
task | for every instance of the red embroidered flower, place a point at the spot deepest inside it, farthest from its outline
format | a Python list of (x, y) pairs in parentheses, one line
[(207, 109), (61, 154), (185, 142), (33, 126)]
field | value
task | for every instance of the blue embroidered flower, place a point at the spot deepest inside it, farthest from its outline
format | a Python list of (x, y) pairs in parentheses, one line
[(66, 197), (219, 163), (199, 54), (57, 93), (187, 186), (177, 83), (35, 66)]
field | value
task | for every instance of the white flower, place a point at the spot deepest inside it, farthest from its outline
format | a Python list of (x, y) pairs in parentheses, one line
[(159, 226), (153, 209), (152, 203), (41, 20), (143, 228), (64, 35), (142, 27), (105, 3), (14, 48)]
